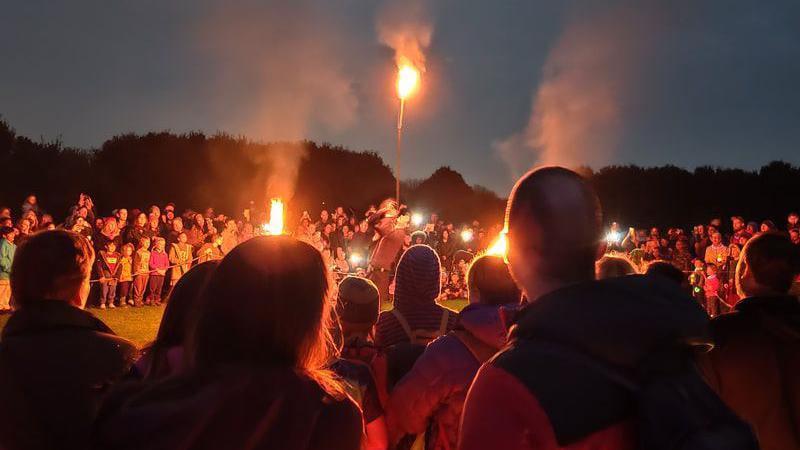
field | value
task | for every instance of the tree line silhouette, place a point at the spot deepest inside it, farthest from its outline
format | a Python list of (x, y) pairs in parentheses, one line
[(227, 172)]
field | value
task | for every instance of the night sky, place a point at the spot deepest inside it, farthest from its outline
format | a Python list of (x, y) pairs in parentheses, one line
[(508, 83)]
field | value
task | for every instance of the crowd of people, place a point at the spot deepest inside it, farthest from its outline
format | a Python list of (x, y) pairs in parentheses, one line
[(279, 341)]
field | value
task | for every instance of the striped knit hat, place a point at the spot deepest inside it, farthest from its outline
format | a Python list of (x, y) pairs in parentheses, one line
[(417, 280)]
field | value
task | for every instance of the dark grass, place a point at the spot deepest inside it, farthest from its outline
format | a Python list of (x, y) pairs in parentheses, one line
[(140, 325)]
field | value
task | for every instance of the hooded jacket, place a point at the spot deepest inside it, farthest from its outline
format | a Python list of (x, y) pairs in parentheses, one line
[(432, 394), (230, 407), (56, 363), (417, 286), (755, 367), (526, 398)]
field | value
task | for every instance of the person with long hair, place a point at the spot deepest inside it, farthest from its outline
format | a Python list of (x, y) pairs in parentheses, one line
[(165, 356), (255, 374)]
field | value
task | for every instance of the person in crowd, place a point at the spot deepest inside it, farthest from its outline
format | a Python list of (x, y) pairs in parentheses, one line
[(230, 237), (717, 252), (56, 360), (176, 228), (767, 226), (168, 216), (740, 233), (31, 204), (670, 272), (388, 248), (7, 251), (24, 231), (125, 275), (793, 221), (712, 288), (682, 257), (210, 251), (109, 232), (255, 373), (755, 363), (141, 271), (416, 290), (699, 241), (159, 262), (340, 262), (180, 257), (454, 288), (109, 269), (154, 227), (447, 248), (554, 224), (136, 231), (613, 266), (430, 398), (121, 215), (357, 307), (166, 355)]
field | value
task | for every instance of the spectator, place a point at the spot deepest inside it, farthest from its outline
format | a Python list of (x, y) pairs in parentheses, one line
[(166, 355), (754, 364), (340, 262), (793, 221), (136, 232), (447, 248), (141, 271), (176, 228), (415, 309), (108, 268), (180, 256), (24, 231), (682, 257), (255, 377), (108, 233), (711, 288), (554, 230), (613, 266), (125, 275), (154, 227), (454, 288), (229, 236), (670, 272), (56, 360), (717, 252), (794, 236), (767, 226), (159, 262), (431, 396), (7, 250), (122, 220), (210, 251), (31, 204)]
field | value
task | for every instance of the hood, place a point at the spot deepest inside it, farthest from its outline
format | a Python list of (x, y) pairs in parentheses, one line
[(619, 320), (417, 278), (486, 323)]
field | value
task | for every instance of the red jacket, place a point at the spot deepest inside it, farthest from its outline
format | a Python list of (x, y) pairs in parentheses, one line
[(526, 398)]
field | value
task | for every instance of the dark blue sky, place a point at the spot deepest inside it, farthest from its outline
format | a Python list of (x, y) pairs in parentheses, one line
[(509, 83)]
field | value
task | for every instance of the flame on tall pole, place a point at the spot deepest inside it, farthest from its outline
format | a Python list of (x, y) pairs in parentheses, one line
[(275, 225), (407, 81)]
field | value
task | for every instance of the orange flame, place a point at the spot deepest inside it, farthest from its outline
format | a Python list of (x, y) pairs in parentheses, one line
[(275, 225), (407, 80), (499, 247)]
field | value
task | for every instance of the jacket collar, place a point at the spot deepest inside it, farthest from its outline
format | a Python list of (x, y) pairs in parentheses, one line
[(777, 304), (45, 315)]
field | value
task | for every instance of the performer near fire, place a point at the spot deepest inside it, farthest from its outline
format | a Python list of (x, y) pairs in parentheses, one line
[(387, 250)]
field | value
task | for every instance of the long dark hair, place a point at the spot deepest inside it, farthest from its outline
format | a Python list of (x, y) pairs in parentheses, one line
[(267, 304), (181, 311)]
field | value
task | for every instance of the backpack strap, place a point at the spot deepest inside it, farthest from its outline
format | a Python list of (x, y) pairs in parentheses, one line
[(403, 323), (444, 322)]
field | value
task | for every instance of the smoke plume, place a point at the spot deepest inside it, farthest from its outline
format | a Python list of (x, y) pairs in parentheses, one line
[(579, 108), (405, 27), (291, 57)]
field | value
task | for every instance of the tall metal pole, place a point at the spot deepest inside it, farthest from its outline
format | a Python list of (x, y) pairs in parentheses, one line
[(399, 148)]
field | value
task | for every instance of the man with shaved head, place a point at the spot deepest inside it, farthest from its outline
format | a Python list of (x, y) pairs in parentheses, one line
[(535, 394)]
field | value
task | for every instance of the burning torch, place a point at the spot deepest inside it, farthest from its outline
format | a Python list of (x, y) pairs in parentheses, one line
[(407, 80)]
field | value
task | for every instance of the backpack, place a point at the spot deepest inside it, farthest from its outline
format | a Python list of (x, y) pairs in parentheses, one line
[(400, 358), (675, 407), (422, 336)]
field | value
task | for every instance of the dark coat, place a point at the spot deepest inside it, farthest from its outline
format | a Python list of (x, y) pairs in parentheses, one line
[(433, 392), (228, 408), (755, 367), (552, 402), (56, 361)]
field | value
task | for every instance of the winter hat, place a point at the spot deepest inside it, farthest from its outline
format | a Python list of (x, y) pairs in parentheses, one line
[(358, 301)]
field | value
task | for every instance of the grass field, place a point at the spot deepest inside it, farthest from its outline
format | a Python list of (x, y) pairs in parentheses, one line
[(141, 324)]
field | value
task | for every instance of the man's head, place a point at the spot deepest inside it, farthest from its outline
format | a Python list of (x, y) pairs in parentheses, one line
[(554, 225), (768, 264), (737, 222), (7, 233), (52, 265), (793, 220), (794, 236), (357, 305), (489, 282), (716, 238)]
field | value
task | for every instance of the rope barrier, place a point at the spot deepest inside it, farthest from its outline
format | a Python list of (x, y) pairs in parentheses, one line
[(149, 272)]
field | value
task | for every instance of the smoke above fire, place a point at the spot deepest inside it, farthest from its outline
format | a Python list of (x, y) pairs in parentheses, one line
[(579, 108), (290, 58), (406, 28)]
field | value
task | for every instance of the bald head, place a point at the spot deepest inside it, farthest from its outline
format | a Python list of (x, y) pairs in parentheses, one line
[(554, 223)]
